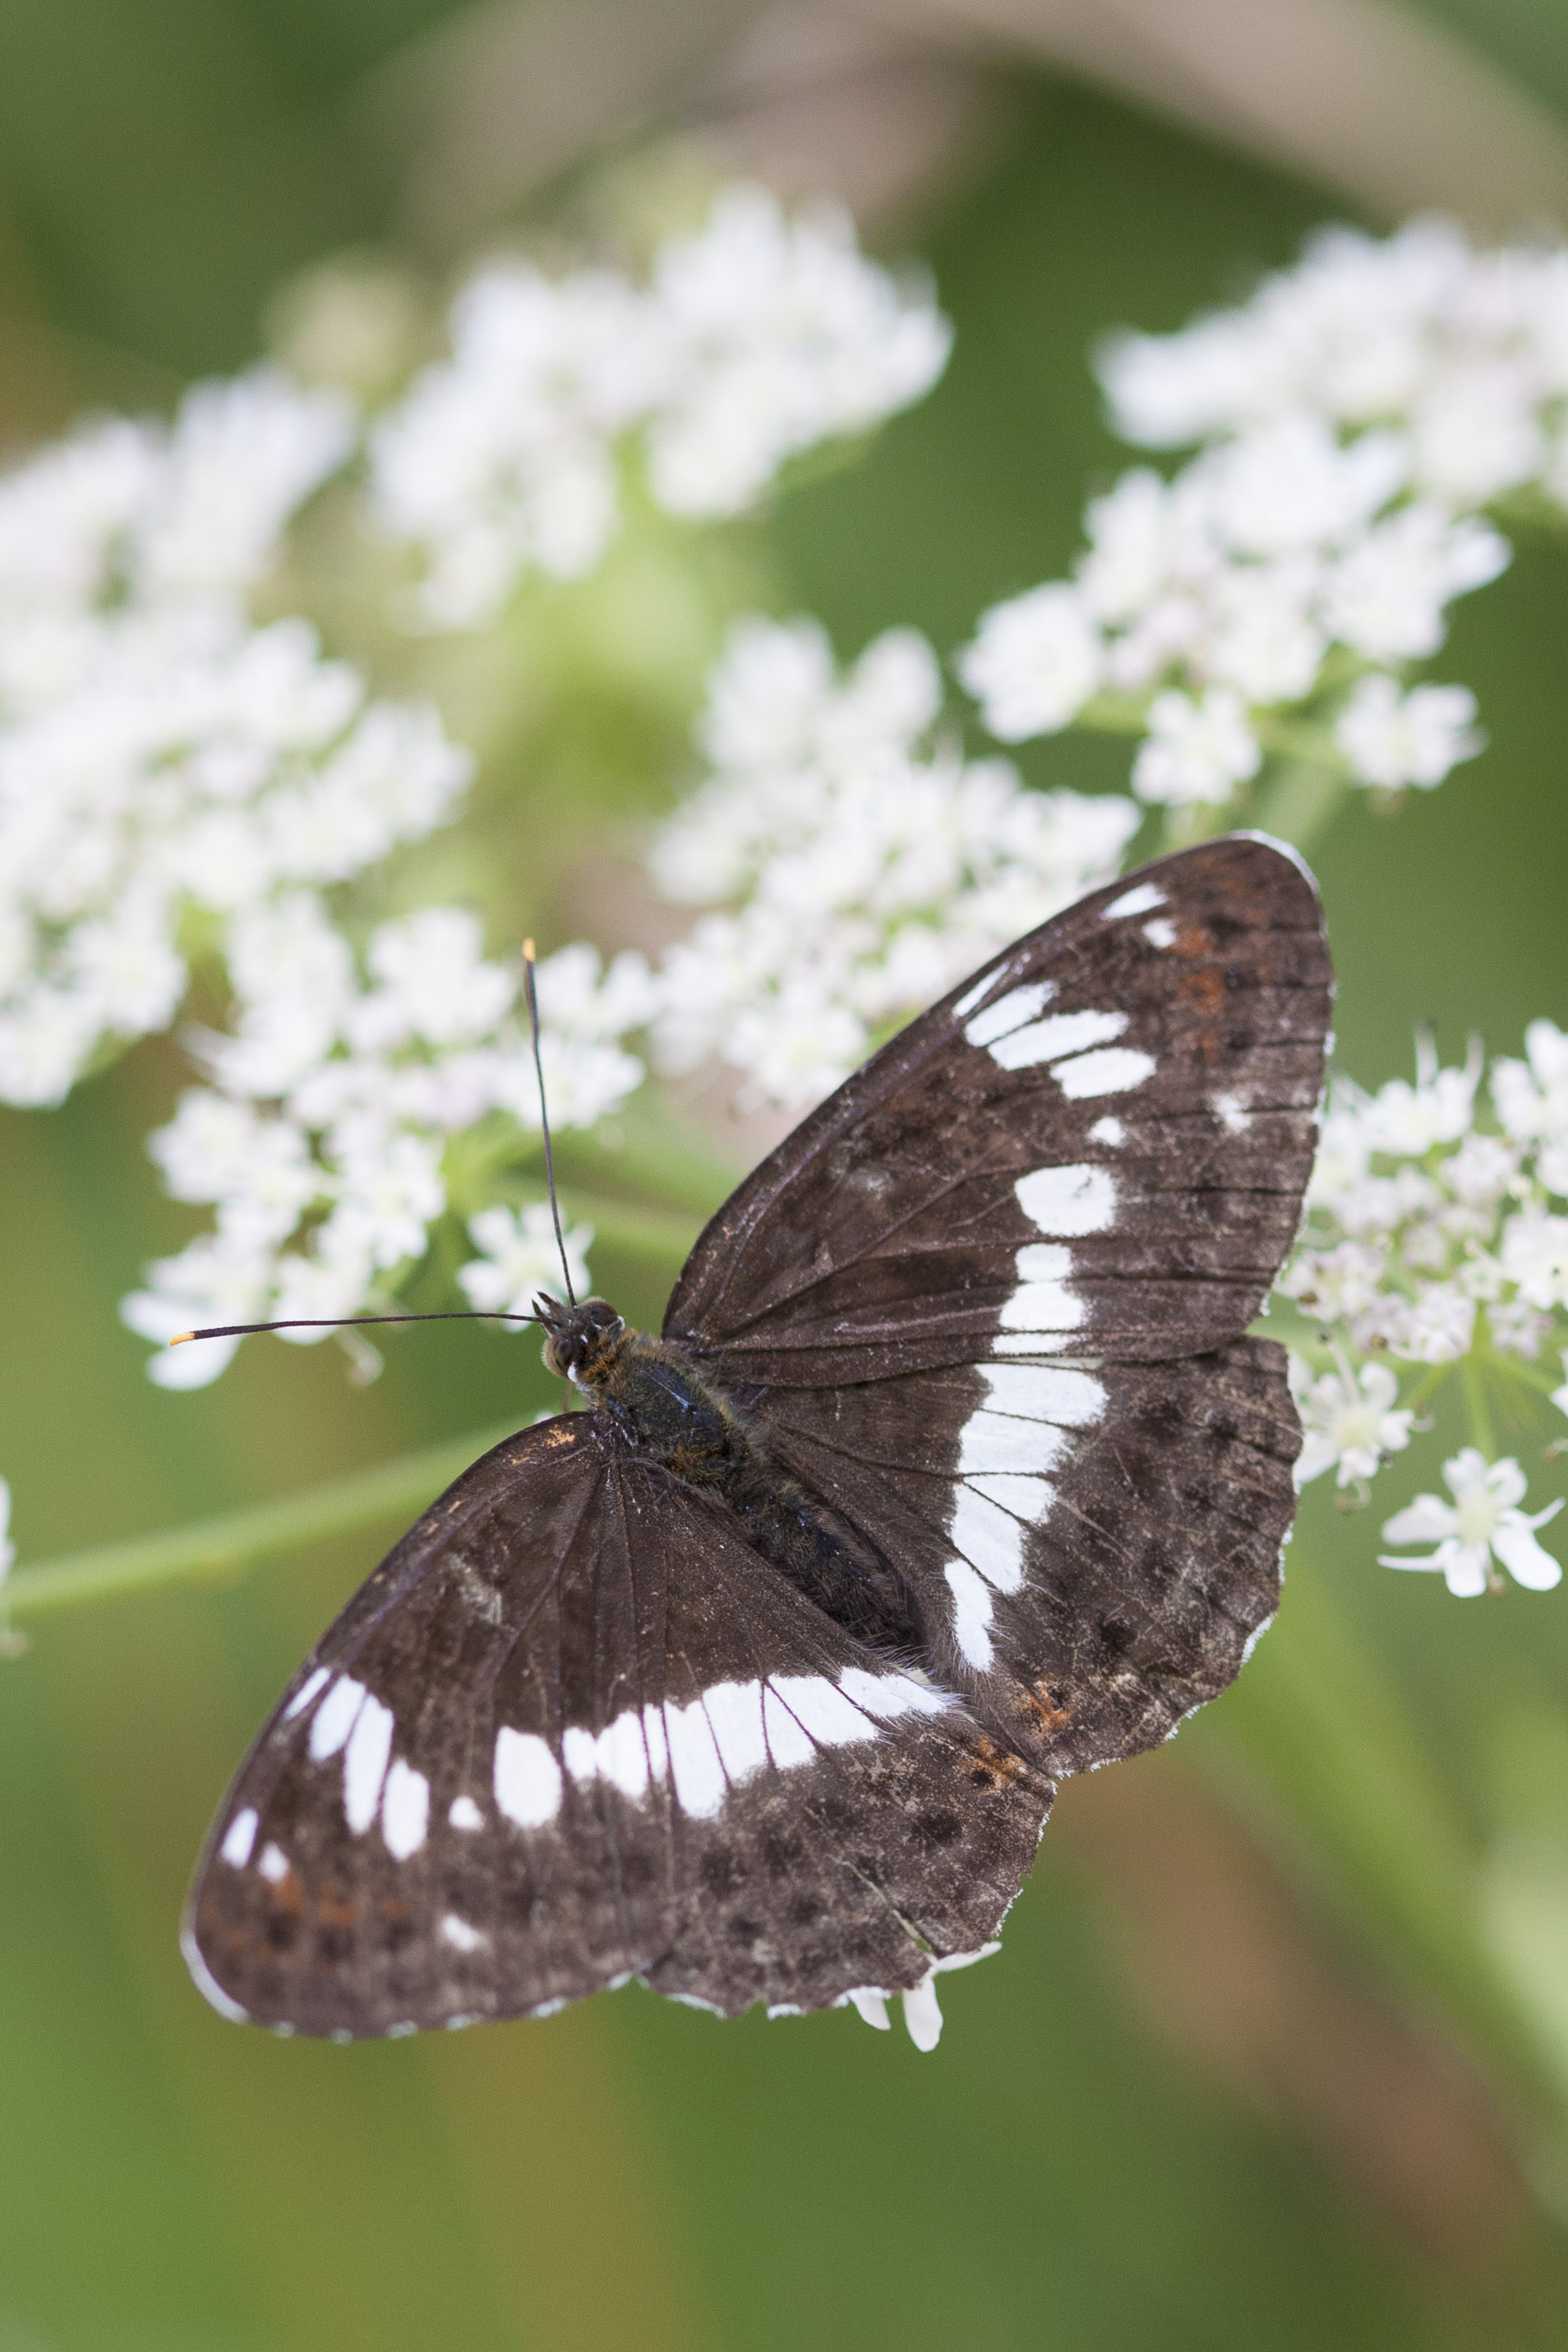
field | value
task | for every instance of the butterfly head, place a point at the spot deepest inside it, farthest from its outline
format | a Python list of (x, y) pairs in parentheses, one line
[(580, 1341)]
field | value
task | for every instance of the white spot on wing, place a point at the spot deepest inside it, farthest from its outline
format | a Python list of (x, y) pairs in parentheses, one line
[(1042, 1301), (238, 1838), (334, 1718), (1109, 1131), (694, 1768), (1045, 1393), (1074, 1200), (273, 1864), (619, 1754), (789, 1744), (404, 1811), (1058, 1034), (735, 1716), (892, 1695), (823, 1710), (989, 1540), (971, 1614), (735, 1729), (1141, 899), (1009, 1011), (464, 1814), (996, 1440), (1113, 1072), (364, 1764), (1028, 1499), (527, 1779), (460, 1935), (1231, 1112), (977, 991), (306, 1693), (1159, 933)]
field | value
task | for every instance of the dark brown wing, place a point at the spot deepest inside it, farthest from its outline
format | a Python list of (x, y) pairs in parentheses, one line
[(989, 1301), (573, 1730), (1097, 1146), (1093, 1551)]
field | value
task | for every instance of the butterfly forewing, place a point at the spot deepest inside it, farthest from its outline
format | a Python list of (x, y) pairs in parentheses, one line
[(575, 1730), (1096, 1147)]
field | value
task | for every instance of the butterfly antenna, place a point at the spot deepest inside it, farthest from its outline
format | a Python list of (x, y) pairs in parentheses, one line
[(341, 1322), (527, 959)]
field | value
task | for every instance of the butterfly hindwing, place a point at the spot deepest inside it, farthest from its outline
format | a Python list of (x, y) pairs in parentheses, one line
[(575, 1730), (1093, 1551), (1096, 1147)]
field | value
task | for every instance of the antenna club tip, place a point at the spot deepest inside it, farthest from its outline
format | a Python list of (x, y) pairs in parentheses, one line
[(528, 954), (180, 1337)]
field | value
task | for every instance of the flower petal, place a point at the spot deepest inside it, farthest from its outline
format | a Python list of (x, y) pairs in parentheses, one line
[(1526, 1561)]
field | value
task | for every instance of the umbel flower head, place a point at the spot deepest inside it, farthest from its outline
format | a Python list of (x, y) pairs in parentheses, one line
[(1482, 1523), (866, 864), (162, 759), (756, 338)]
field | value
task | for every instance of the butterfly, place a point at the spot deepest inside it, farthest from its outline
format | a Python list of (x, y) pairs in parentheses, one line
[(952, 1472)]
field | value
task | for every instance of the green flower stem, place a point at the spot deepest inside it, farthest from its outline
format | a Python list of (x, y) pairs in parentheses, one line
[(223, 1547), (1315, 1723), (1302, 802), (1481, 1429)]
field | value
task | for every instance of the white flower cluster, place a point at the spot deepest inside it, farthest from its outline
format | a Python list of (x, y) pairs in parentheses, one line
[(1359, 411), (868, 865), (1466, 353), (1430, 1240), (1419, 1223), (1234, 589), (160, 756), (755, 339), (320, 1140)]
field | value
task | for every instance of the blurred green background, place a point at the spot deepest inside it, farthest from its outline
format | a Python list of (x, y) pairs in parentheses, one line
[(1277, 2054)]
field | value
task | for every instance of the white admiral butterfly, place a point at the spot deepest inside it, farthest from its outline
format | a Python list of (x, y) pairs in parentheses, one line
[(952, 1473)]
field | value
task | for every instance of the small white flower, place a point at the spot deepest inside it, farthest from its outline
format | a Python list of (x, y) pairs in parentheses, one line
[(1531, 1096), (1407, 1121), (1349, 1420), (520, 1258), (1387, 593), (389, 1191), (1535, 1256), (1195, 751), (1392, 739), (209, 1282), (1482, 1521), (1034, 664)]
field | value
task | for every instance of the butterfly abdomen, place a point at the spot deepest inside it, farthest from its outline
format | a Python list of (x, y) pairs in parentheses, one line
[(667, 1409)]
